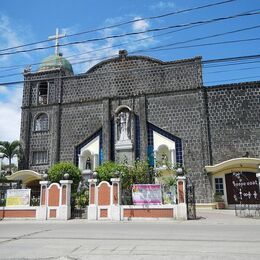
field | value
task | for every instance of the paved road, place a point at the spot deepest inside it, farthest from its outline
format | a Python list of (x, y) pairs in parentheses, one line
[(216, 235)]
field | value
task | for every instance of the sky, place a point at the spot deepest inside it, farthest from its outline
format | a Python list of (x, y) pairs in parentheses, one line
[(30, 21)]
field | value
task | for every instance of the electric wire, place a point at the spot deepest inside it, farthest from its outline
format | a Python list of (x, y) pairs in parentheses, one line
[(147, 49), (160, 67), (249, 13), (125, 23)]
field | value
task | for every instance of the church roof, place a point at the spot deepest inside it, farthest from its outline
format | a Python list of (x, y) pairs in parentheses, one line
[(54, 62)]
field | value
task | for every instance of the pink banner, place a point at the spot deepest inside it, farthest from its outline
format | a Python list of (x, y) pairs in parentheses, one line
[(146, 194)]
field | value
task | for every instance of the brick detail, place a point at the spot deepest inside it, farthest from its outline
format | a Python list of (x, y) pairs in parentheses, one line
[(53, 213), (181, 192), (103, 213), (115, 194), (148, 213), (17, 213), (43, 198), (64, 195), (54, 196), (104, 194), (92, 194)]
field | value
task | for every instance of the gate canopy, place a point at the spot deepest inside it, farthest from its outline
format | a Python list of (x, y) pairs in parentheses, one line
[(25, 176), (237, 164)]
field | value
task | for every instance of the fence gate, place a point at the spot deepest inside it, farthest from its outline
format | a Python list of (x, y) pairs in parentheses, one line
[(190, 199), (78, 212), (244, 193)]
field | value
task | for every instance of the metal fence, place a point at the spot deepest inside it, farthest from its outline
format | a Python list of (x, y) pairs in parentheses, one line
[(247, 210), (190, 199)]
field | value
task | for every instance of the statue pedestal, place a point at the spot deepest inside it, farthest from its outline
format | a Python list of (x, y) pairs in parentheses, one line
[(124, 145), (87, 174), (124, 152)]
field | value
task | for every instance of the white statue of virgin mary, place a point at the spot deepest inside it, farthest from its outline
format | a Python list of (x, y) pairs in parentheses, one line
[(123, 121)]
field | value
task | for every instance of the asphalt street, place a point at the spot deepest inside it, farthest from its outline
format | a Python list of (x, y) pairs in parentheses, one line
[(215, 235)]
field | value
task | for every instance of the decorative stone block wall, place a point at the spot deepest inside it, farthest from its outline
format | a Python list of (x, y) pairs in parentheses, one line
[(214, 124), (234, 120)]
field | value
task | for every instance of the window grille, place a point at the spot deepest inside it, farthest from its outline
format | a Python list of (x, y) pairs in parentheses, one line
[(41, 123), (43, 93), (219, 187), (40, 157)]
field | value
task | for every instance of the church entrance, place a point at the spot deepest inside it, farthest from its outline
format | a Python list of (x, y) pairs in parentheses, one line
[(242, 188), (235, 181)]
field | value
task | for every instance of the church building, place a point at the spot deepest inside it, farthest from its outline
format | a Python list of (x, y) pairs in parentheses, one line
[(138, 107)]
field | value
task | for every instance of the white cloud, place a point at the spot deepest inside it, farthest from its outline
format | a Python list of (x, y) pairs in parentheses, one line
[(12, 35), (10, 114), (3, 90), (140, 25), (92, 51), (163, 5)]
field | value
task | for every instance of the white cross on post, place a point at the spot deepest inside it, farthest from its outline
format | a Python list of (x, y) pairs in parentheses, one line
[(56, 37)]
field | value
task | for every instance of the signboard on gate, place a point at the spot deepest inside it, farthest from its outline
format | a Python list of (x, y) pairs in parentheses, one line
[(242, 187), (146, 194), (18, 197)]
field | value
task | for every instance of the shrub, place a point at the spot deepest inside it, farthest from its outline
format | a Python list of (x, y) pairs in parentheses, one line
[(81, 200), (140, 172), (107, 170), (57, 171)]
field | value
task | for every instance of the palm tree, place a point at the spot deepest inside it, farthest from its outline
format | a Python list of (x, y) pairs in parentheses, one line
[(9, 150)]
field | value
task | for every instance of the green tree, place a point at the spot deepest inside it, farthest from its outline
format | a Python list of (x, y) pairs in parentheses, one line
[(139, 172), (57, 171), (107, 170), (10, 150)]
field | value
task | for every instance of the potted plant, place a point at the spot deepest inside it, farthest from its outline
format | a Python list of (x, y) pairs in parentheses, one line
[(218, 198)]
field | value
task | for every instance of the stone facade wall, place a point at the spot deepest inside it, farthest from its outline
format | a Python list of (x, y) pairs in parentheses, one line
[(131, 77), (234, 120), (181, 114), (214, 124), (78, 121)]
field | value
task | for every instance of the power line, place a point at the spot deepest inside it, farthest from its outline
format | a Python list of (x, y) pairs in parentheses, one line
[(205, 37), (210, 66), (233, 79), (152, 48), (158, 68), (203, 44), (126, 22), (161, 49), (99, 49), (224, 71), (249, 13)]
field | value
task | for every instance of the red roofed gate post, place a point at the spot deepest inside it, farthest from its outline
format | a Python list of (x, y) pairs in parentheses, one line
[(42, 210), (92, 208), (116, 199), (181, 195)]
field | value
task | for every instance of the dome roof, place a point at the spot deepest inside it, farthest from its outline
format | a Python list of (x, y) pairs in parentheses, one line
[(54, 62)]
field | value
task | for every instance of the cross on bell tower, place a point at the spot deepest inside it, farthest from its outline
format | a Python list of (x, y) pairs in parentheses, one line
[(56, 37)]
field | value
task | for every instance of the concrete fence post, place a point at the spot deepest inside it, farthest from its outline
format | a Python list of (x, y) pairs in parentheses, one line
[(115, 199), (181, 195), (65, 197), (92, 208), (42, 210)]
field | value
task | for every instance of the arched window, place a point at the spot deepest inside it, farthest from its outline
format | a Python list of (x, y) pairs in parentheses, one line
[(41, 122), (43, 93)]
